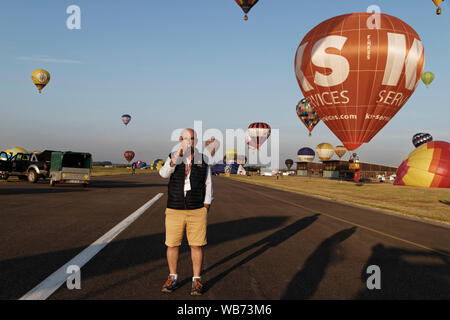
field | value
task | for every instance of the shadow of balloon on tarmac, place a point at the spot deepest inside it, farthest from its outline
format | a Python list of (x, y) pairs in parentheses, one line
[(305, 283), (403, 277)]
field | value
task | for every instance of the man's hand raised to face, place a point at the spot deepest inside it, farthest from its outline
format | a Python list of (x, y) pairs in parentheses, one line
[(178, 154)]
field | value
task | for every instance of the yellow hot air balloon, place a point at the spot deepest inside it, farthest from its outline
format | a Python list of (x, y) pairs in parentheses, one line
[(15, 150), (324, 151), (437, 3), (40, 78), (340, 151), (231, 155)]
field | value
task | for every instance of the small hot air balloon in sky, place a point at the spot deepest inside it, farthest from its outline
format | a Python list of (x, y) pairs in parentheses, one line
[(420, 138), (306, 154), (212, 145), (246, 5), (258, 133), (289, 163), (126, 118), (40, 78), (340, 151), (129, 155), (437, 3), (357, 76), (428, 78), (307, 115), (324, 151), (427, 166)]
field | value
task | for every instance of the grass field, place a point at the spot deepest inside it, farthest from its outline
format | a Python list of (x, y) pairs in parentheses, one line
[(431, 204), (102, 171)]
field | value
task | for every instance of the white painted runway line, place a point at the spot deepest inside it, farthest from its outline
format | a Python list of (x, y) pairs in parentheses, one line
[(47, 287)]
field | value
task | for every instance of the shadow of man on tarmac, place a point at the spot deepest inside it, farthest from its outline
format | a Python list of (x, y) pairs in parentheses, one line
[(267, 243)]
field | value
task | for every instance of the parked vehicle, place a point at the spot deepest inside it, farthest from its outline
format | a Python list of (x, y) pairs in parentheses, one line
[(39, 166), (14, 165), (70, 167)]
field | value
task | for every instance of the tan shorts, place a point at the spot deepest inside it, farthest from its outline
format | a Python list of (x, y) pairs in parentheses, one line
[(193, 220)]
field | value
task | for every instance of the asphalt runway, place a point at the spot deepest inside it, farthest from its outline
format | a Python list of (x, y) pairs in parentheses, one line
[(262, 244)]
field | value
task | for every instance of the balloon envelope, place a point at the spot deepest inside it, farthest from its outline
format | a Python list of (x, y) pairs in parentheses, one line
[(324, 151), (357, 78), (246, 5), (129, 155), (40, 78), (427, 166), (437, 3), (289, 163), (307, 115), (230, 156), (258, 133), (13, 151), (340, 151), (212, 145), (306, 154), (126, 118), (427, 78), (157, 164), (420, 138)]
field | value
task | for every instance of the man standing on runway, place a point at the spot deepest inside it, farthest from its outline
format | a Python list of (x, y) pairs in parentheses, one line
[(189, 199)]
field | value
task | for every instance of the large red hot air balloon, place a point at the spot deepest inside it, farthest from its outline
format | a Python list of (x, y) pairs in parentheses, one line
[(357, 71), (129, 155)]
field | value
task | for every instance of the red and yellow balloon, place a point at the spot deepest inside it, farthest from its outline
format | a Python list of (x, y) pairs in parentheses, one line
[(427, 166), (357, 71)]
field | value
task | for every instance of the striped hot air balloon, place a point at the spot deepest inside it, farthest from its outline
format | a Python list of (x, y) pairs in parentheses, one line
[(340, 151), (306, 154), (420, 138), (324, 151), (258, 133), (427, 166), (357, 76)]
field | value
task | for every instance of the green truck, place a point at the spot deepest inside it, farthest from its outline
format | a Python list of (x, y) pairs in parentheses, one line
[(70, 167)]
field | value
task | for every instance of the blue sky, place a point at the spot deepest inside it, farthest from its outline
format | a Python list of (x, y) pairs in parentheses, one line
[(168, 63)]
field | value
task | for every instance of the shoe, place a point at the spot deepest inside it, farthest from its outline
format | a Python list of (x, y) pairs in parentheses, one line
[(169, 285), (197, 288)]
